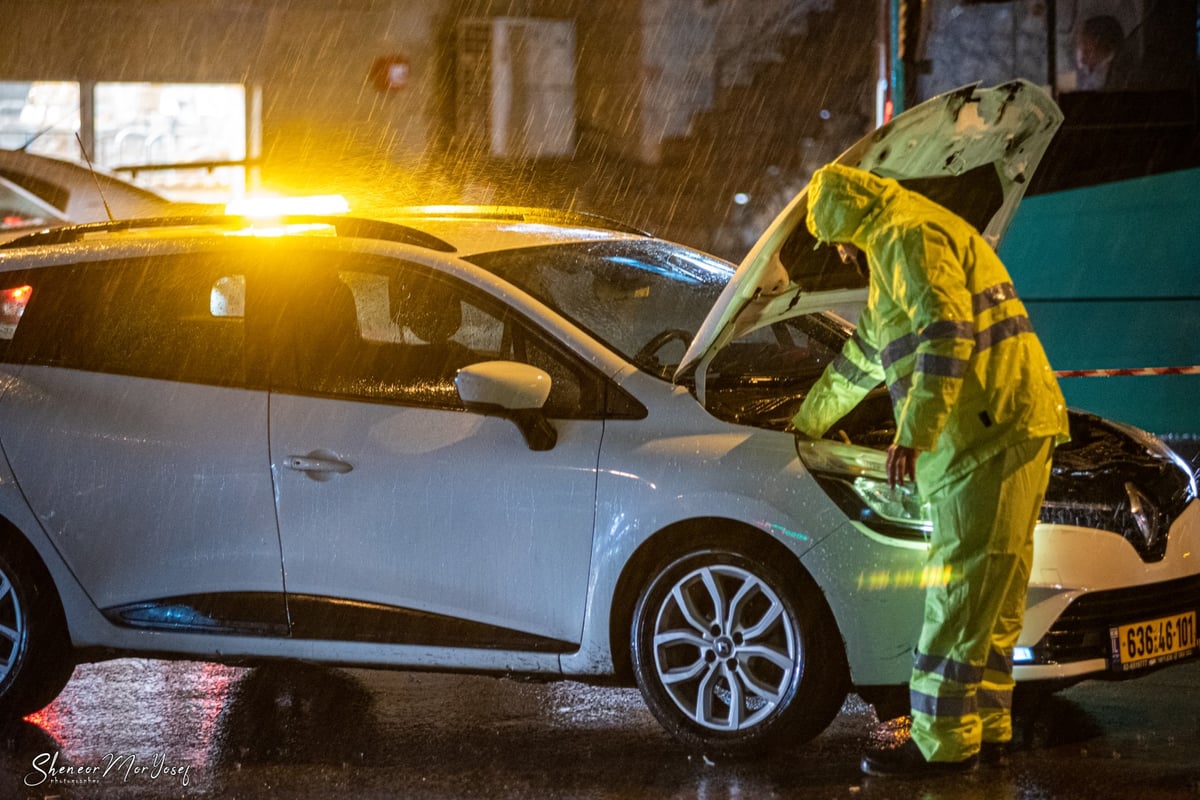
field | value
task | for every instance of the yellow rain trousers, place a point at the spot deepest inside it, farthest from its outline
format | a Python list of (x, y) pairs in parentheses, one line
[(962, 686), (971, 390)]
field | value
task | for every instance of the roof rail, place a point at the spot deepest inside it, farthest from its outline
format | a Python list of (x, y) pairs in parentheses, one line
[(517, 214), (352, 227)]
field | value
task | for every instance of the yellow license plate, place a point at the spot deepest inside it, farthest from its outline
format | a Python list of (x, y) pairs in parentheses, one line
[(1156, 641)]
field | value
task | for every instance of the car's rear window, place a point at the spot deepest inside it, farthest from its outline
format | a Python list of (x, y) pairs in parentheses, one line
[(177, 320)]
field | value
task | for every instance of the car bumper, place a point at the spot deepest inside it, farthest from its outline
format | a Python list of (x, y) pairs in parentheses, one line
[(1073, 617)]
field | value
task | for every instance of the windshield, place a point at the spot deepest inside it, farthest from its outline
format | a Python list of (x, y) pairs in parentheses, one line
[(644, 299)]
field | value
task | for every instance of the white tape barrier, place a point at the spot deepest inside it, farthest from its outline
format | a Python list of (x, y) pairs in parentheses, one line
[(1110, 373)]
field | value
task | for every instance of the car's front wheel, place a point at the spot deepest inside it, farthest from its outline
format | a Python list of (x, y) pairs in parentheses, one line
[(35, 654), (734, 656)]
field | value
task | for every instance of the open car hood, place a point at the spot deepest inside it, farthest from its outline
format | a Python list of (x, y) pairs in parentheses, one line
[(971, 150)]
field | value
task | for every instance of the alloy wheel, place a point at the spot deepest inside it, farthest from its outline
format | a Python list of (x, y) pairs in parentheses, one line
[(12, 627), (725, 648)]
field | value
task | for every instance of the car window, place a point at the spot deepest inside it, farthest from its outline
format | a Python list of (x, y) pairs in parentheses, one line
[(146, 317), (644, 299), (382, 331)]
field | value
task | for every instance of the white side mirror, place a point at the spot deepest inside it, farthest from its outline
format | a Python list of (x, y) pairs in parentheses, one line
[(505, 384), (513, 390)]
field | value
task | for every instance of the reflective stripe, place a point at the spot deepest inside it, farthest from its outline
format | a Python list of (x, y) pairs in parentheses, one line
[(1002, 330), (853, 373), (948, 329), (988, 698), (948, 668), (992, 297), (942, 366), (998, 662), (897, 349), (898, 389), (867, 350), (907, 344), (942, 706)]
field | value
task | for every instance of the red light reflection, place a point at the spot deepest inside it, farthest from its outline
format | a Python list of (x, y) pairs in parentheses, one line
[(135, 705)]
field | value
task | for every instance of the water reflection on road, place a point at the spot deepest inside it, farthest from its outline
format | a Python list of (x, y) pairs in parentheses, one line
[(148, 729)]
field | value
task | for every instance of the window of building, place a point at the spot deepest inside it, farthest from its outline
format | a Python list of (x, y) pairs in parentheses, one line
[(186, 141), (40, 117), (147, 130)]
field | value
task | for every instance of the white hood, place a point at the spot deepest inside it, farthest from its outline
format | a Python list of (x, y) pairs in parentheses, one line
[(971, 150)]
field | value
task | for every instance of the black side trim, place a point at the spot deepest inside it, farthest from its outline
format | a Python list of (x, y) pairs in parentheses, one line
[(240, 613), (322, 618), (333, 619)]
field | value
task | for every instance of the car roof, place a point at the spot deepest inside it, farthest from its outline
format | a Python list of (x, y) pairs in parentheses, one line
[(462, 230), (473, 229)]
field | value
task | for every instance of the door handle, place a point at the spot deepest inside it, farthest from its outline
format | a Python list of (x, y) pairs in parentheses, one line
[(317, 465)]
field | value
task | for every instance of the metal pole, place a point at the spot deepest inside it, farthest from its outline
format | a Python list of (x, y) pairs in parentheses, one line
[(1052, 46), (894, 37)]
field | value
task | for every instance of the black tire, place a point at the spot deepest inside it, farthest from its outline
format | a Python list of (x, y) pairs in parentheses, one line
[(35, 653), (768, 672)]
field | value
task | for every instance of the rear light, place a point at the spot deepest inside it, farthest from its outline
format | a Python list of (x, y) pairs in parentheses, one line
[(12, 306)]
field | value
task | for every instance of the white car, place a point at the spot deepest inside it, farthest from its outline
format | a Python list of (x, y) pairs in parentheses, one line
[(463, 440), (81, 193), (22, 212)]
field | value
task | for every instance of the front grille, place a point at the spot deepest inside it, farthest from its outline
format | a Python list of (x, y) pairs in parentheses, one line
[(1081, 631)]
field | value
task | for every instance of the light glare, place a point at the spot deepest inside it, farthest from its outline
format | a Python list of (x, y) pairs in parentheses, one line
[(274, 207)]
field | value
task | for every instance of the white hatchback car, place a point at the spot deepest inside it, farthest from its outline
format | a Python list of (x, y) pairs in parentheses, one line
[(82, 193), (453, 441), (22, 212)]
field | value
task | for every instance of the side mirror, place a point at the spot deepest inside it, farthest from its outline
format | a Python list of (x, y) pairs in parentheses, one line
[(513, 390)]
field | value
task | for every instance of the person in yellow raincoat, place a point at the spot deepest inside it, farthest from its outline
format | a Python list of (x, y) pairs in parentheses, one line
[(978, 412)]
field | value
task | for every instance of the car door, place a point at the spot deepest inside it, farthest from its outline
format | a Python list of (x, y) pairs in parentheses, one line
[(140, 443), (405, 518)]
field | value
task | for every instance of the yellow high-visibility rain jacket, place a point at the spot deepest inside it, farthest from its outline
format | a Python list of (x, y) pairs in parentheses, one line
[(943, 326)]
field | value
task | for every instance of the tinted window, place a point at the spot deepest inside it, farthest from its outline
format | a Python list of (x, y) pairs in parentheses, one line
[(387, 332), (147, 317)]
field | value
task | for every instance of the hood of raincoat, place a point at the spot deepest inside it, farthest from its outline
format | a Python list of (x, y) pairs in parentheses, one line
[(971, 150), (843, 200)]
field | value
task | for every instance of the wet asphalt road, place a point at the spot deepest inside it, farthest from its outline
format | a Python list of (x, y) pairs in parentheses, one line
[(189, 730)]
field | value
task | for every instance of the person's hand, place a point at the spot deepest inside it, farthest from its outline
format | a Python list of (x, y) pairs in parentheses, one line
[(901, 464)]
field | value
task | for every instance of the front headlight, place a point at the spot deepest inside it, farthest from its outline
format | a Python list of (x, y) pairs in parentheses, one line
[(856, 479), (901, 504), (1146, 516)]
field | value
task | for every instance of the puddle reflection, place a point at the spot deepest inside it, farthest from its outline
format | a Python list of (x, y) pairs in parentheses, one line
[(295, 714), (301, 727), (135, 721)]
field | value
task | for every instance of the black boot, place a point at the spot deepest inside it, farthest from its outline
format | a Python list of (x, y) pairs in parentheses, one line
[(908, 761), (994, 754)]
